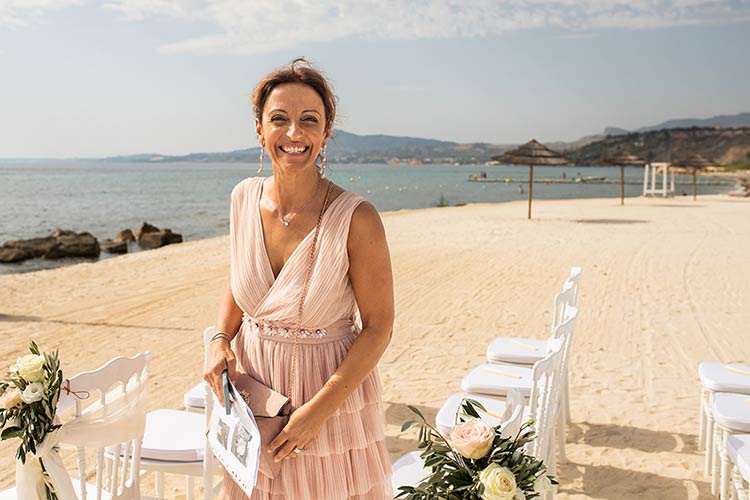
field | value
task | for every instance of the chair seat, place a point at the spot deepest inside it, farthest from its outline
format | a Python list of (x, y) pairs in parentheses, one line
[(496, 380), (408, 470), (175, 436), (516, 350), (716, 377), (738, 448), (195, 397), (732, 411), (446, 415)]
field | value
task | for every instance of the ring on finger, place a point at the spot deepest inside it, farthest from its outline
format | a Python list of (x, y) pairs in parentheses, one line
[(298, 450)]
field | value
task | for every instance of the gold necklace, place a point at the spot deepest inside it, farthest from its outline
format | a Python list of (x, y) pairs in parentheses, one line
[(286, 220)]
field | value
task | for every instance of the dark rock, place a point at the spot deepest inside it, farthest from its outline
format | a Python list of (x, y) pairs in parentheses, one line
[(110, 246), (159, 239), (145, 228), (126, 235), (10, 254), (74, 245), (35, 246)]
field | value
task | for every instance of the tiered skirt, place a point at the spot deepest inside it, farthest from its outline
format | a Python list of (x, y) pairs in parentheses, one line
[(348, 459)]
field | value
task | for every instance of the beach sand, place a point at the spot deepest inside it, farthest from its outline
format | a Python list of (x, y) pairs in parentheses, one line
[(665, 285)]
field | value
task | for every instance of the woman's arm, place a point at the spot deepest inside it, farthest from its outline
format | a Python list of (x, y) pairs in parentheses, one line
[(220, 354), (372, 283)]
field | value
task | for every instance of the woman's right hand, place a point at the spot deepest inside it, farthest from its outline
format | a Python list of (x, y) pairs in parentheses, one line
[(220, 358)]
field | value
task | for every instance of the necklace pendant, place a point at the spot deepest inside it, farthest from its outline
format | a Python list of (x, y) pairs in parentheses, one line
[(285, 222)]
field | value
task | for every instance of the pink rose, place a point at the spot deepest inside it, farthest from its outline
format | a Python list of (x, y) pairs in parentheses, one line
[(10, 398), (473, 439)]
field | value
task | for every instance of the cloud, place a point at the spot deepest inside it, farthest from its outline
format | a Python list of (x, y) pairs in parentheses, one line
[(23, 13)]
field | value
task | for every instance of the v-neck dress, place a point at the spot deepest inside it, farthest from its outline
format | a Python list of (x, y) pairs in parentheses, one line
[(348, 459)]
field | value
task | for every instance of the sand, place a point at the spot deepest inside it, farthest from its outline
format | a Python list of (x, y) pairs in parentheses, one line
[(665, 285)]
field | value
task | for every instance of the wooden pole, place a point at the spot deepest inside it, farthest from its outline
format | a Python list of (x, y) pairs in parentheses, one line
[(622, 185), (694, 175), (531, 186)]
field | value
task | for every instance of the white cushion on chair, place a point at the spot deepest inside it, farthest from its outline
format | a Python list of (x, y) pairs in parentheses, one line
[(175, 436), (738, 448), (446, 415), (408, 470), (732, 411), (715, 377), (195, 397), (495, 380), (516, 350)]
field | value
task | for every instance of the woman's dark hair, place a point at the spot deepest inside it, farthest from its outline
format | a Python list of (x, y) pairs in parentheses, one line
[(298, 71)]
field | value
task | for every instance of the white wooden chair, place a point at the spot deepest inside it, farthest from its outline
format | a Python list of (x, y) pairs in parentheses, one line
[(496, 379), (738, 449), (118, 479), (175, 442), (409, 469), (715, 378), (731, 414)]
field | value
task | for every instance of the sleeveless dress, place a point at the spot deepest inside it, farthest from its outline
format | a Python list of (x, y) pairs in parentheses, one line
[(348, 459)]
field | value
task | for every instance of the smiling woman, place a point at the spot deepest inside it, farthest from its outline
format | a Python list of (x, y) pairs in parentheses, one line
[(309, 310)]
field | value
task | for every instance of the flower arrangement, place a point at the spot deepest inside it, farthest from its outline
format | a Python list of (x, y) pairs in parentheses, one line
[(28, 400), (476, 462)]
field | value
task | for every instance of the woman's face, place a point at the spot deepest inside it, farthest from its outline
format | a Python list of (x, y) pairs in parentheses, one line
[(292, 128)]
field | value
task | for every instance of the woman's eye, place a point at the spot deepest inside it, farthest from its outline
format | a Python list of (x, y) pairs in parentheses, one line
[(277, 118), (310, 119)]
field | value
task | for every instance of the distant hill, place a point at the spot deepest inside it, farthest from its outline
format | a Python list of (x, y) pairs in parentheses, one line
[(724, 121), (352, 148), (721, 145)]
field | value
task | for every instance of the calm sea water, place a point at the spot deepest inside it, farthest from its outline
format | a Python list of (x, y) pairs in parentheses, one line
[(193, 199)]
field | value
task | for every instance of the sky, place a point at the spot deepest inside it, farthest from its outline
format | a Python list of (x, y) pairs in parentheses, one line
[(84, 78)]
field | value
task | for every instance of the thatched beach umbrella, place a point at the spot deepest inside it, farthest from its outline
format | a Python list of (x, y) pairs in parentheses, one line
[(622, 158), (694, 161), (532, 153)]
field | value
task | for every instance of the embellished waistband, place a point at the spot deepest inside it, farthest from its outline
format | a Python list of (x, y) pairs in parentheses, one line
[(288, 333)]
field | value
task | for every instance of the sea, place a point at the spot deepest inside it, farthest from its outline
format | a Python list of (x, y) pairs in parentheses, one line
[(193, 198)]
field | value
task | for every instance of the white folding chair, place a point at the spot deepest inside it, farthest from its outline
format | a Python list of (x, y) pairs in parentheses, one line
[(118, 479), (409, 469), (175, 442), (496, 379), (731, 414), (715, 378), (738, 449)]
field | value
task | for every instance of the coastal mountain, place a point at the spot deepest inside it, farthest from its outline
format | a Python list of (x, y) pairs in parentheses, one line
[(723, 145), (722, 121)]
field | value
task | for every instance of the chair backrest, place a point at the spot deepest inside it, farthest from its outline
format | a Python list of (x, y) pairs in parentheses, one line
[(210, 464), (574, 277), (510, 427), (547, 375), (562, 302), (116, 379)]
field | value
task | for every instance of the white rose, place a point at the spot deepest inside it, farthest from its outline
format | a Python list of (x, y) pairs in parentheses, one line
[(499, 483), (32, 393), (542, 484), (31, 368)]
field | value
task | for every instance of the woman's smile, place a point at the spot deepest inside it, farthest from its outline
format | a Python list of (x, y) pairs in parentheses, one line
[(294, 149)]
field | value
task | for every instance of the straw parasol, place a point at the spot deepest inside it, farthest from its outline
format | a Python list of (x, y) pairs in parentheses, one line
[(532, 153), (622, 158), (694, 161)]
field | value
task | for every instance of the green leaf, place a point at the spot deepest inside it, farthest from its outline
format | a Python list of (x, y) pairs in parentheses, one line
[(409, 425), (11, 432), (414, 409)]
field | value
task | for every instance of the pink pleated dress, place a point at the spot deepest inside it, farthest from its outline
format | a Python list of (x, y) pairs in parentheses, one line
[(348, 459)]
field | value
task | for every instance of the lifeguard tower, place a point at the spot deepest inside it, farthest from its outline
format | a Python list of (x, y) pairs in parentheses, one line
[(655, 172)]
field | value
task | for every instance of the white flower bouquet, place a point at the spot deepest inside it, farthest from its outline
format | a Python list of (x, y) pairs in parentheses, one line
[(476, 462), (28, 400)]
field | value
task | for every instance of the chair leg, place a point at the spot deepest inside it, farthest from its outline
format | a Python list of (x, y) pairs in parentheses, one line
[(566, 397), (715, 462), (709, 443), (725, 467), (702, 421), (160, 485), (561, 437), (189, 488)]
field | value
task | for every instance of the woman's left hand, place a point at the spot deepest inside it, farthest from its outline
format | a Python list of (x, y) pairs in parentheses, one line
[(304, 424)]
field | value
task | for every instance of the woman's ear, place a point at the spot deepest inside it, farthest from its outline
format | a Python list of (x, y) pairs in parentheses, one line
[(259, 133)]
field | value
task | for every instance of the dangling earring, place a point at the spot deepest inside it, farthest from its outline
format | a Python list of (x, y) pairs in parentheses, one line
[(323, 163), (260, 162)]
